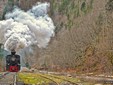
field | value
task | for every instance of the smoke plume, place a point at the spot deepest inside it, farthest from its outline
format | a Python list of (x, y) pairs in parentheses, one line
[(22, 29)]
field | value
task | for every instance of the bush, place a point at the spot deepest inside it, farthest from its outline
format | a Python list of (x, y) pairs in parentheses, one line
[(109, 5)]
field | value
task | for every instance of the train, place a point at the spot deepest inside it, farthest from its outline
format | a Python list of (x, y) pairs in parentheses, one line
[(13, 62)]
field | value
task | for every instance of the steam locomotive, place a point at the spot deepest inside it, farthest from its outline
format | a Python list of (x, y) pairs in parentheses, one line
[(13, 62)]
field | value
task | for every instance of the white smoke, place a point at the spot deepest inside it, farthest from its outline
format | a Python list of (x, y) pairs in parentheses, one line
[(22, 29)]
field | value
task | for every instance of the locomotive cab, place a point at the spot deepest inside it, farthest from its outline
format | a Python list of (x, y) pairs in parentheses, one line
[(13, 62)]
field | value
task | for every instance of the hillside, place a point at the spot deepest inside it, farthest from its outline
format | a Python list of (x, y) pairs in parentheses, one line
[(84, 36)]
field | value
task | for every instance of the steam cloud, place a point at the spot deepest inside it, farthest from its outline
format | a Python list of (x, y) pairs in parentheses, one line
[(22, 29)]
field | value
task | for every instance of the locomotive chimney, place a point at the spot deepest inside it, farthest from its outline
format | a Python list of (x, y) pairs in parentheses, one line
[(13, 52)]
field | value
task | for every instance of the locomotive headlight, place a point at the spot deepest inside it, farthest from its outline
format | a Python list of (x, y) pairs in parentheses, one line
[(13, 58)]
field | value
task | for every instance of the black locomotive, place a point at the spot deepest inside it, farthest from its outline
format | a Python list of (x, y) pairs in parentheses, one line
[(13, 62)]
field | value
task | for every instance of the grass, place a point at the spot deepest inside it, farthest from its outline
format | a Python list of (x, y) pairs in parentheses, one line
[(30, 78), (45, 79), (70, 79), (54, 79)]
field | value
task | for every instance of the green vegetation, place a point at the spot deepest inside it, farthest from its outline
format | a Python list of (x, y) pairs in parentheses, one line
[(76, 7), (70, 79), (29, 78), (8, 7), (63, 6), (84, 7), (1, 51), (46, 79), (71, 9), (52, 78), (91, 4), (11, 3), (109, 5), (0, 17), (110, 56)]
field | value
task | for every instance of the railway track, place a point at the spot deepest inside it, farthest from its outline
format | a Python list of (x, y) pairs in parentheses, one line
[(51, 81), (73, 83), (8, 78), (27, 78), (55, 83), (50, 77)]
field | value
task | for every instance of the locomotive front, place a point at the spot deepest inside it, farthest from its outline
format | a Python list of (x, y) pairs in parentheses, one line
[(13, 62)]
